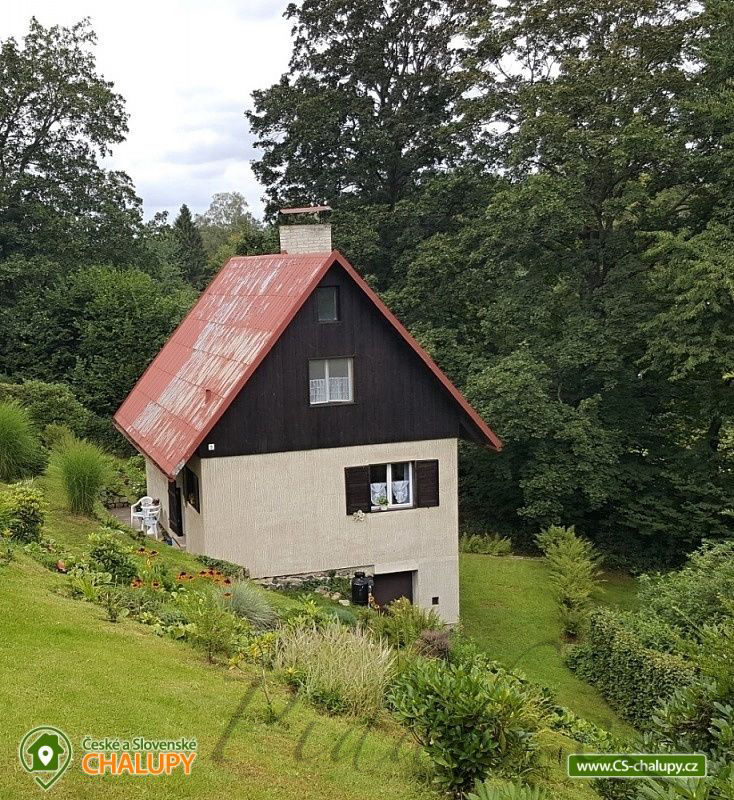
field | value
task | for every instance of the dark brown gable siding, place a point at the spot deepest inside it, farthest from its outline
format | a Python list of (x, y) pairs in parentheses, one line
[(396, 397)]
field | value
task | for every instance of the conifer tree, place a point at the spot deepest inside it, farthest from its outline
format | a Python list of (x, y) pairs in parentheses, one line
[(189, 248)]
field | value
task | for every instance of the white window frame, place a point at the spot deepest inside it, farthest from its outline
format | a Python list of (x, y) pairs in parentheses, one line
[(350, 371), (411, 486)]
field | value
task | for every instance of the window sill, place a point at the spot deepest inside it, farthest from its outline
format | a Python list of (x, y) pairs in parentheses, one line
[(332, 403), (379, 509)]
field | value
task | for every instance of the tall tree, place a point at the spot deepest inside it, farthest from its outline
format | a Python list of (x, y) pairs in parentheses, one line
[(58, 118), (189, 249), (368, 105)]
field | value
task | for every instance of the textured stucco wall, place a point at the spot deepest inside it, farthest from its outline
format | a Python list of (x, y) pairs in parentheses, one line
[(305, 238), (193, 521), (285, 513), (157, 487)]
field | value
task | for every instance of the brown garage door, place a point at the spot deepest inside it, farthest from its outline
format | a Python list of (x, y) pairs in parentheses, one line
[(391, 585)]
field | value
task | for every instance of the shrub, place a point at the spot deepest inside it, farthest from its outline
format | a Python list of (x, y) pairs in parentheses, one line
[(402, 623), (22, 512), (632, 677), (574, 574), (691, 597), (48, 404), (502, 790), (212, 626), (81, 468), (468, 721), (110, 554), (493, 545), (250, 602), (434, 644), (225, 567), (20, 449), (113, 602), (343, 669)]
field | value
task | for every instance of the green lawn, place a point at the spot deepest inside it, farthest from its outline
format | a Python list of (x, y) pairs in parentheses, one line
[(507, 606)]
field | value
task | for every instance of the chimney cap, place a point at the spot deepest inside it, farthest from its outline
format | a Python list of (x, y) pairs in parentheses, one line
[(305, 210)]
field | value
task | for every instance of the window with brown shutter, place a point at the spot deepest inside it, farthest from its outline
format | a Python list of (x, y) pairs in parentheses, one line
[(357, 482), (426, 478)]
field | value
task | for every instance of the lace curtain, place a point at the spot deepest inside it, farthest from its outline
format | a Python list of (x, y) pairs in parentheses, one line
[(400, 491), (377, 491)]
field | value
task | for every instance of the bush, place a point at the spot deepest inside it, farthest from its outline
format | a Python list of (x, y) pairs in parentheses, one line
[(110, 554), (48, 404), (20, 449), (22, 513), (691, 597), (633, 678), (212, 626), (342, 669), (402, 623), (251, 603), (502, 790), (81, 468), (574, 574), (493, 545), (468, 721), (225, 567)]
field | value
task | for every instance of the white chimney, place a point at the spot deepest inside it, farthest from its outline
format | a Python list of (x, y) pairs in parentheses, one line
[(305, 230)]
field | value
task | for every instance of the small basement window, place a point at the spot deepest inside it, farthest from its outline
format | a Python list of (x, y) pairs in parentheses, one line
[(327, 303), (391, 485), (330, 380), (191, 488)]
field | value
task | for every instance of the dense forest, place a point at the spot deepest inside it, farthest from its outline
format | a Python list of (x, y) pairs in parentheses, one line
[(542, 192)]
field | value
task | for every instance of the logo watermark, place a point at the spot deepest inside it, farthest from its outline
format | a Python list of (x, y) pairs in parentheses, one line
[(45, 753), (637, 765)]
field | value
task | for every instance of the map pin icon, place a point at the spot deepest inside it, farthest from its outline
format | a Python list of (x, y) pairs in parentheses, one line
[(45, 754)]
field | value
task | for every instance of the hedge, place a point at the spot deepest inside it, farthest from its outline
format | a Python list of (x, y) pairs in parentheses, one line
[(633, 678)]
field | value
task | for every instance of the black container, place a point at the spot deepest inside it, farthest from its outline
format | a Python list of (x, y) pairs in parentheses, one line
[(360, 589)]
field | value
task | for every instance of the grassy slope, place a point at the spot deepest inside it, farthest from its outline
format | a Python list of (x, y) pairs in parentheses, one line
[(88, 676), (507, 606)]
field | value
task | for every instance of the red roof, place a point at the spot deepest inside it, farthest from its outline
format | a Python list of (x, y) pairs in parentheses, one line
[(219, 345)]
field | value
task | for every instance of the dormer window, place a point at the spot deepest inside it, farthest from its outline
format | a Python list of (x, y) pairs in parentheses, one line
[(327, 304), (330, 380)]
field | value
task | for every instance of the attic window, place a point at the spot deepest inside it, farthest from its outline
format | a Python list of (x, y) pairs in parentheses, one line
[(327, 304), (330, 381)]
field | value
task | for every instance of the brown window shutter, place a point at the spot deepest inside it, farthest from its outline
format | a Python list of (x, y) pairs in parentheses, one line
[(357, 481), (426, 478)]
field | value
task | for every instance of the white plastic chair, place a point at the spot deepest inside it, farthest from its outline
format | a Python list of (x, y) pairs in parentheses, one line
[(137, 512), (150, 520)]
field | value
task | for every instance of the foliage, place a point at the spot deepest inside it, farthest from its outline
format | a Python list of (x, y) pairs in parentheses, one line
[(189, 249), (113, 602), (251, 603), (110, 554), (126, 479), (20, 450), (493, 790), (225, 567), (633, 678), (345, 670), (80, 468), (86, 583), (48, 404), (367, 104), (693, 596), (493, 545), (402, 623), (574, 574), (468, 721), (212, 627), (58, 119), (22, 513)]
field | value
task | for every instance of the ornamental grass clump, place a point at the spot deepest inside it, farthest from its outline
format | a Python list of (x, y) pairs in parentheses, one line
[(20, 448), (81, 468), (250, 602), (345, 670)]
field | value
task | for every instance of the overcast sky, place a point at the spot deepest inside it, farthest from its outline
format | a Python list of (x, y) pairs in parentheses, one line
[(186, 70)]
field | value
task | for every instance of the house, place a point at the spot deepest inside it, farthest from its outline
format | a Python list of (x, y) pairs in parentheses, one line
[(292, 425)]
